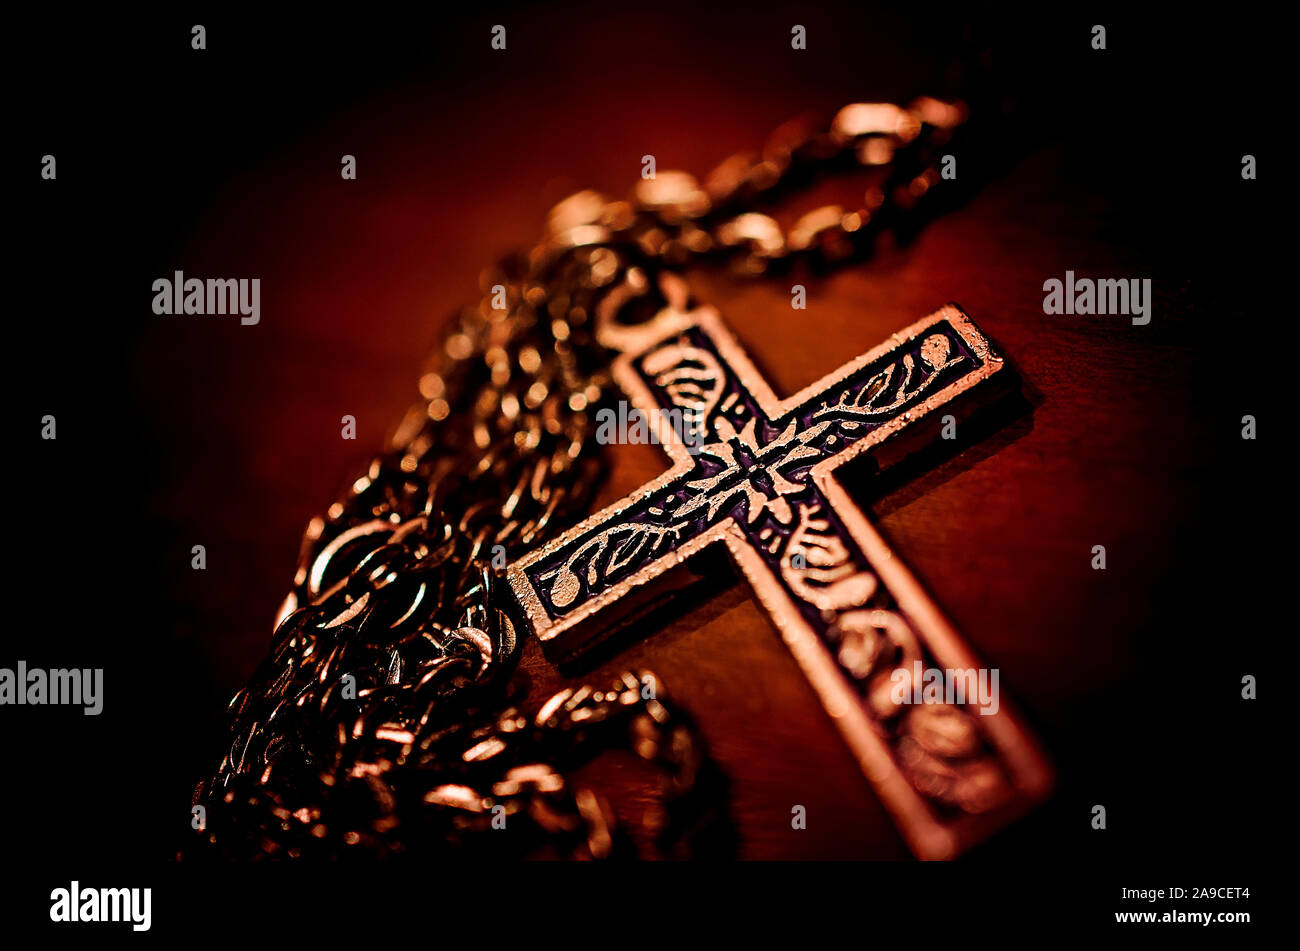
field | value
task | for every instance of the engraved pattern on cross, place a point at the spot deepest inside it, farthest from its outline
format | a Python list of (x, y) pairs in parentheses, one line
[(755, 473)]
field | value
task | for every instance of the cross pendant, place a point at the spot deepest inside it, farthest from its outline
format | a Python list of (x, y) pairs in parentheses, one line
[(755, 473)]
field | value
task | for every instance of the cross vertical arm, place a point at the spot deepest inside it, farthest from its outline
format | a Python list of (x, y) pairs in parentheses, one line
[(758, 476)]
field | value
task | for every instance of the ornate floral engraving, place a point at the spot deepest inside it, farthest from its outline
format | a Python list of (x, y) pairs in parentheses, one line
[(819, 568), (749, 477)]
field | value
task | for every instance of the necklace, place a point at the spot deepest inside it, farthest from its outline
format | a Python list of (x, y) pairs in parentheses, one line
[(385, 719)]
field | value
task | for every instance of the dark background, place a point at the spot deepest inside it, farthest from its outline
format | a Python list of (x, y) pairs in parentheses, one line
[(181, 431)]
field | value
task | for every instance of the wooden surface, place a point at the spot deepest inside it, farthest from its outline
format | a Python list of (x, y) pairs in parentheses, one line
[(1123, 443)]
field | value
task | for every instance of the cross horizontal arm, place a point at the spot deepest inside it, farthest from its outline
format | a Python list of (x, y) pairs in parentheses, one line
[(749, 450)]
